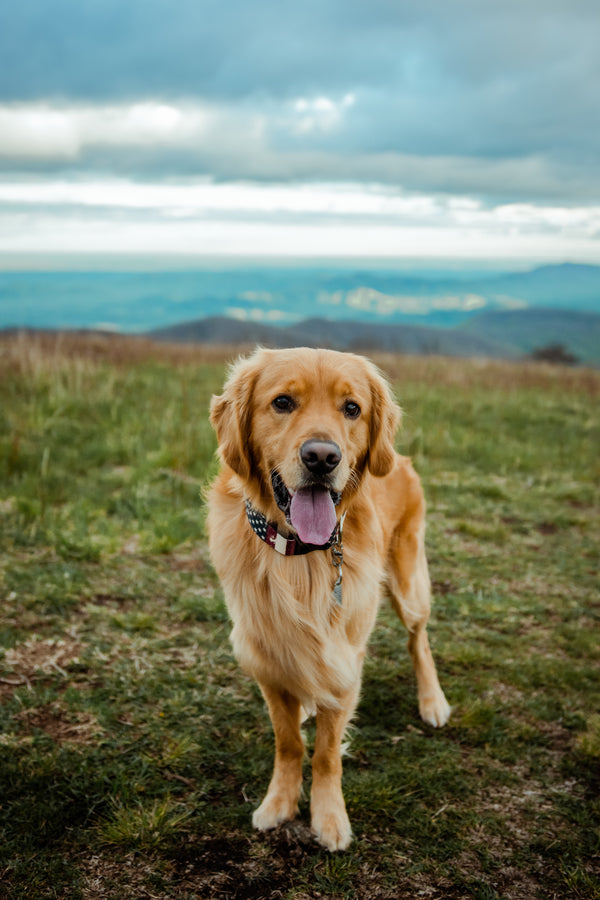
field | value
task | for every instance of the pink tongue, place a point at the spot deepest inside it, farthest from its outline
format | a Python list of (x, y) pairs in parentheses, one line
[(312, 514)]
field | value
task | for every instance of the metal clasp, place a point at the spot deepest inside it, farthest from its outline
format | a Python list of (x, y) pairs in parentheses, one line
[(337, 559)]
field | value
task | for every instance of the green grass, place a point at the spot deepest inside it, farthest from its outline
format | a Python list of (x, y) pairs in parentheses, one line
[(133, 749)]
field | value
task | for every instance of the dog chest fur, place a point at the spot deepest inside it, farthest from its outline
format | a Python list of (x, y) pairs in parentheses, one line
[(288, 630)]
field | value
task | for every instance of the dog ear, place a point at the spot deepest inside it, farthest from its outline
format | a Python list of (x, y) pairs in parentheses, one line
[(231, 417), (385, 419)]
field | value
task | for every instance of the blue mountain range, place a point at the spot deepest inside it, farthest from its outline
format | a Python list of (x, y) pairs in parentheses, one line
[(523, 309)]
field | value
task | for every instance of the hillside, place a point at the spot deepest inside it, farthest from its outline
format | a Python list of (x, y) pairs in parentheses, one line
[(340, 335), (527, 329), (508, 334)]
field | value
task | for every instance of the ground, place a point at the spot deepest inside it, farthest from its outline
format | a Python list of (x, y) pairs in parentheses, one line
[(133, 749)]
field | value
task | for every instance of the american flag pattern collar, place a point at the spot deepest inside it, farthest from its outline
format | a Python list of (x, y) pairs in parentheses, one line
[(286, 546)]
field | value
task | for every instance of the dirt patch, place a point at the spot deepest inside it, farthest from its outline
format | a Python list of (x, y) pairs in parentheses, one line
[(498, 847), (105, 878), (63, 726), (234, 867), (189, 562), (441, 588), (283, 863), (36, 656), (271, 866), (547, 527), (110, 600)]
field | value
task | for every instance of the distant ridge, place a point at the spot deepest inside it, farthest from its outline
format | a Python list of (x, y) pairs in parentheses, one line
[(526, 330), (141, 301), (508, 335), (452, 312), (338, 335)]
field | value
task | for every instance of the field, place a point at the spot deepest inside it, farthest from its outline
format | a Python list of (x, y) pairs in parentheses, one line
[(133, 749)]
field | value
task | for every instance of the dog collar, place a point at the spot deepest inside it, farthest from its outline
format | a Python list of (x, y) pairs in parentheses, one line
[(287, 546)]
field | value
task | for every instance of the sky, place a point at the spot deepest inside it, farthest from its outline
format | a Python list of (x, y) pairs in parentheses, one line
[(322, 129)]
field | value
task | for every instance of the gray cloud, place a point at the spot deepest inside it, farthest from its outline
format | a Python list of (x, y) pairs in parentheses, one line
[(494, 100), (266, 142)]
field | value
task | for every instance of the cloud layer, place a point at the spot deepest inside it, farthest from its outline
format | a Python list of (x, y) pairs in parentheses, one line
[(282, 219), (493, 105)]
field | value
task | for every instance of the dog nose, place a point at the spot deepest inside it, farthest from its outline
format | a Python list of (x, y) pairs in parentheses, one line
[(320, 457)]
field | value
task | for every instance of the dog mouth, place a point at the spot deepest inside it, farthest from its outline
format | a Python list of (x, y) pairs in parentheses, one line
[(309, 510)]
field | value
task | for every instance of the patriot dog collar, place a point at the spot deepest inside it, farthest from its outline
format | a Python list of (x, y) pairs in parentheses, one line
[(287, 546)]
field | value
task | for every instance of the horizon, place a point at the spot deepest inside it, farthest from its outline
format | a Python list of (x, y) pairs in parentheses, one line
[(138, 298), (134, 263), (465, 311)]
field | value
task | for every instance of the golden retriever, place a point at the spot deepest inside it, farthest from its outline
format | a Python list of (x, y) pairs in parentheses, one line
[(311, 517)]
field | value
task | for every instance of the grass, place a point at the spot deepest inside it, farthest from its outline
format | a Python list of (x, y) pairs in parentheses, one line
[(132, 748)]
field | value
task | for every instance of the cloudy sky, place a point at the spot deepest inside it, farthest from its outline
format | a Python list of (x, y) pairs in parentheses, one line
[(371, 128)]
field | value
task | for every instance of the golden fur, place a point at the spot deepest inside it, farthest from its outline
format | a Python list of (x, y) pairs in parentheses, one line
[(304, 650)]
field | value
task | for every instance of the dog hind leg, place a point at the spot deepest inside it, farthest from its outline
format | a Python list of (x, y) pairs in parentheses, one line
[(410, 593)]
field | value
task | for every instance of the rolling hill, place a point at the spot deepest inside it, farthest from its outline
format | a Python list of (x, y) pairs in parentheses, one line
[(454, 312), (339, 335), (509, 334), (528, 329)]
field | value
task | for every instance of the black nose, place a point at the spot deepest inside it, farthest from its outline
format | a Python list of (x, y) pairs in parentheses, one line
[(320, 457)]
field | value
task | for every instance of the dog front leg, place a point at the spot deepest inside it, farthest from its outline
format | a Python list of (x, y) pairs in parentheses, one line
[(281, 800), (329, 819)]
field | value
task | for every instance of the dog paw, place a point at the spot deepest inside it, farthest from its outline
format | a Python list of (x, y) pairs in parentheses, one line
[(332, 830), (435, 710), (273, 811)]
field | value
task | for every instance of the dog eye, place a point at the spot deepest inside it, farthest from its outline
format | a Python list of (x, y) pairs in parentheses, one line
[(351, 409), (283, 403)]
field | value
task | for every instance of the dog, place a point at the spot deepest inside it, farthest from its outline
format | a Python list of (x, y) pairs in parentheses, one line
[(312, 517)]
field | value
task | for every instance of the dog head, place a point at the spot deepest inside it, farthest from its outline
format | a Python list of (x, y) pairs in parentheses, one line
[(300, 427)]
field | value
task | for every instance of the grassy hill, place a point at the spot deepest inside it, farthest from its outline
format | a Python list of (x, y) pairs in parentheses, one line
[(133, 749)]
